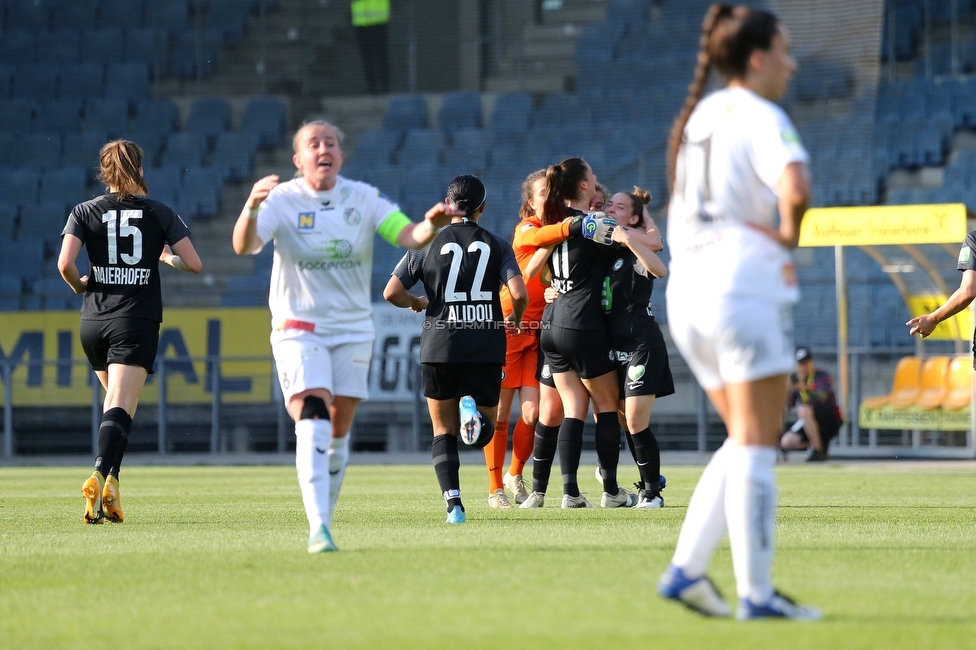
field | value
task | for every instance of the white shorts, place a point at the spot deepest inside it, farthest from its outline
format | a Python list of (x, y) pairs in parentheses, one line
[(732, 340), (305, 360)]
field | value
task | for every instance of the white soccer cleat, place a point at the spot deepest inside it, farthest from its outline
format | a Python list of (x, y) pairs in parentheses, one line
[(517, 486), (576, 502), (470, 420), (534, 500), (655, 501), (697, 594), (778, 606), (498, 499), (622, 499)]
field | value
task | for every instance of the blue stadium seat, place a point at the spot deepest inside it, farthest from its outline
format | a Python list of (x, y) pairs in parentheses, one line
[(157, 115), (246, 290), (6, 76), (229, 17), (76, 13), (22, 258), (16, 115), (163, 180), (43, 221), (38, 82), (265, 117), (377, 147), (34, 16), (58, 115), (127, 80), (405, 113), (184, 150), (203, 188), (209, 117), (123, 13), (172, 15), (233, 155), (460, 110), (65, 186), (102, 45), (468, 153), (147, 45), (106, 115), (40, 150), (422, 146), (18, 45), (388, 179), (81, 80), (9, 212), (965, 104), (10, 290), (59, 46), (510, 116), (183, 58), (81, 150)]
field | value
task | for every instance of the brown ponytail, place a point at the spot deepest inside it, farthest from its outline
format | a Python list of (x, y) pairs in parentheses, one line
[(638, 199), (120, 162), (729, 37), (555, 205)]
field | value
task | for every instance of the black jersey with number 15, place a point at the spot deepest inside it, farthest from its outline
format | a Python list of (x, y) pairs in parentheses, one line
[(124, 239), (463, 270)]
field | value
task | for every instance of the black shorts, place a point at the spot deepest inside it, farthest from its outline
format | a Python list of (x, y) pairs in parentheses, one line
[(482, 381), (126, 341), (587, 352), (644, 372), (543, 372)]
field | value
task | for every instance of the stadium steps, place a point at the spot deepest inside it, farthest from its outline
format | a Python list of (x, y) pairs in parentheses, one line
[(546, 50)]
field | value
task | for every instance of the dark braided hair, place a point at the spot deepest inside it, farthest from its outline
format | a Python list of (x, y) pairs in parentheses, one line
[(467, 193)]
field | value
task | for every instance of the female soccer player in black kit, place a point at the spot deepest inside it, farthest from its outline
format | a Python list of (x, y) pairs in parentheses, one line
[(574, 337), (126, 236), (635, 338), (462, 349)]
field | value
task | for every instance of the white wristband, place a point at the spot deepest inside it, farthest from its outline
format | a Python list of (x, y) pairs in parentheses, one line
[(431, 228), (253, 213)]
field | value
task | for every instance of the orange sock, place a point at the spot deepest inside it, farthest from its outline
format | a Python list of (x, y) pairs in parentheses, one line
[(495, 456), (523, 437)]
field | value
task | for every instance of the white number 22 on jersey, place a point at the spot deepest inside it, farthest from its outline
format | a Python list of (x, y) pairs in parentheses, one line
[(123, 229), (451, 294)]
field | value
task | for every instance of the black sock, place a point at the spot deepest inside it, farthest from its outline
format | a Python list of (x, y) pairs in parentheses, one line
[(608, 449), (114, 470), (111, 436), (543, 454), (648, 456), (444, 453), (630, 444), (570, 446)]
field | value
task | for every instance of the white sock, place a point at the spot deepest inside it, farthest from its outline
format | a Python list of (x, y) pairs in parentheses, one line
[(704, 524), (750, 508), (338, 459), (312, 462)]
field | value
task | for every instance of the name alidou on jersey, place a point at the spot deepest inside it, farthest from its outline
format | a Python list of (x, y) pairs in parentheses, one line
[(124, 240), (463, 270), (578, 269)]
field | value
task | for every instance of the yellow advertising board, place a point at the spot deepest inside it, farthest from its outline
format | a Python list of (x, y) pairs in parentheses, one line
[(50, 368), (913, 418), (946, 330), (884, 225)]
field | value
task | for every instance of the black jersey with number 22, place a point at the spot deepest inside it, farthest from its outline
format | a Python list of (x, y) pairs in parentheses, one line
[(463, 270), (124, 239)]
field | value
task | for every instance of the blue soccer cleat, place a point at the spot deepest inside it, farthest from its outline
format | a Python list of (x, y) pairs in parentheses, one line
[(321, 541), (778, 606), (697, 594), (456, 516), (470, 420)]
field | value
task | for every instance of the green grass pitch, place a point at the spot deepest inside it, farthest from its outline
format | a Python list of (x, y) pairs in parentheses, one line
[(215, 558)]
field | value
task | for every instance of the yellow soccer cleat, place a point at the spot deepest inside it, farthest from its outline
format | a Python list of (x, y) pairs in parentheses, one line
[(91, 489), (112, 501)]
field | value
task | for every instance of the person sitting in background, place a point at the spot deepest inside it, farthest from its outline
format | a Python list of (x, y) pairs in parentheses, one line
[(818, 416)]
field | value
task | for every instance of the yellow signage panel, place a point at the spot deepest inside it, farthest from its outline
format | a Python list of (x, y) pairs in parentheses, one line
[(913, 418), (50, 368), (959, 327), (884, 225)]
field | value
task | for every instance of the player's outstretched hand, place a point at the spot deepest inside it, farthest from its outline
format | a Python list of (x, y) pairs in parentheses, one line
[(260, 191), (923, 325), (441, 214), (599, 227)]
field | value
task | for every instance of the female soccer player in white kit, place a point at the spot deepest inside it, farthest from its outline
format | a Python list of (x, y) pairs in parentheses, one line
[(322, 225), (734, 157)]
